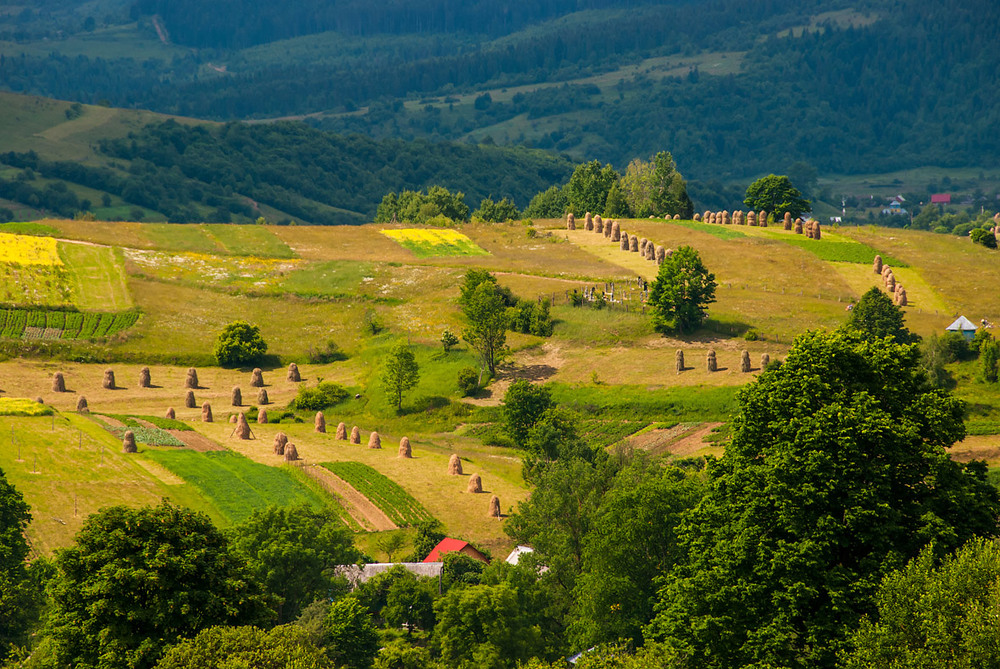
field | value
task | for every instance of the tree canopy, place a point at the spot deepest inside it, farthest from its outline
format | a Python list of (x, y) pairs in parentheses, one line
[(240, 647), (400, 373), (776, 195), (588, 187), (239, 343), (488, 321), (14, 519), (876, 316), (682, 291)]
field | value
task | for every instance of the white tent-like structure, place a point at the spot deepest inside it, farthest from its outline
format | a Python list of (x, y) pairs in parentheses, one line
[(964, 326)]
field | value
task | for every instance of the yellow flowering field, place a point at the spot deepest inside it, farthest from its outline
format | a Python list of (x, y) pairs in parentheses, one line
[(435, 242), (16, 406), (25, 250)]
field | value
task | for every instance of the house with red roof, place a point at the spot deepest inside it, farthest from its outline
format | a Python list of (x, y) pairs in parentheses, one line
[(941, 198), (449, 545)]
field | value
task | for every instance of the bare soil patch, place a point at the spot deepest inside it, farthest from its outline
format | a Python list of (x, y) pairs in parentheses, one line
[(198, 442), (533, 365), (357, 505), (692, 441)]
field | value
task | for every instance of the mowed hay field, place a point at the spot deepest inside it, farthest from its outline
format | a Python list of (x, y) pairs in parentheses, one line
[(354, 287)]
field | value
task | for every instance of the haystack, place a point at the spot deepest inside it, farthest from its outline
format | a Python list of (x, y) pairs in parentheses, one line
[(128, 442), (374, 441), (355, 435), (697, 217), (745, 361), (633, 244), (817, 234), (570, 221), (706, 216), (677, 217), (475, 484), (710, 362), (752, 218), (901, 297), (189, 401), (737, 217), (765, 360), (798, 226), (237, 397), (710, 218), (206, 413), (342, 432), (607, 228), (598, 224), (171, 414), (588, 221), (616, 232), (109, 379), (890, 283), (257, 378), (787, 220), (144, 381), (877, 265), (651, 251), (494, 507), (454, 465), (293, 373), (262, 416), (762, 218), (242, 426), (291, 453), (280, 440), (404, 448), (661, 253), (232, 418), (624, 240), (262, 397), (58, 383), (81, 405), (320, 423), (680, 360), (192, 378), (725, 218)]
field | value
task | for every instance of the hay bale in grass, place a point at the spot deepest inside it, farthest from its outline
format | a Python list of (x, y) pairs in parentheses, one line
[(679, 357), (81, 405), (374, 441), (242, 426), (787, 220), (745, 361), (624, 240), (877, 265), (454, 465), (494, 511), (109, 379), (171, 414), (661, 253), (262, 397), (697, 217), (262, 416), (711, 364), (890, 283), (616, 232), (291, 453), (320, 423), (570, 221), (58, 383), (901, 297), (475, 484), (642, 245), (404, 448), (192, 378), (598, 224), (726, 220), (677, 217), (293, 373), (752, 218), (280, 440), (342, 431), (668, 253), (189, 401), (710, 218), (232, 418), (144, 380), (237, 397), (257, 378), (128, 442), (607, 229), (762, 219), (706, 216), (650, 251), (588, 221), (737, 217), (355, 435), (765, 360), (817, 233), (633, 244), (798, 226), (206, 413)]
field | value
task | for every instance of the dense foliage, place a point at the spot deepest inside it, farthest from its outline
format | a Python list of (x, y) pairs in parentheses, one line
[(776, 195), (15, 608), (239, 343), (875, 316), (682, 291)]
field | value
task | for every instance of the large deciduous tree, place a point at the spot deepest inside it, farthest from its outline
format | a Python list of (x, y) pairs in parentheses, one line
[(682, 291), (138, 580), (836, 475), (15, 614), (776, 195), (239, 343), (523, 406), (876, 316), (400, 373), (588, 188), (488, 321), (230, 647)]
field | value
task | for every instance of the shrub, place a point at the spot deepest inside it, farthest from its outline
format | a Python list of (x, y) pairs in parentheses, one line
[(983, 237), (468, 381), (449, 340), (751, 335), (239, 343), (329, 353), (323, 395)]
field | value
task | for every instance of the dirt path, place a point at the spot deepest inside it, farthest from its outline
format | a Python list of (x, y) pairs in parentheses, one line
[(196, 441), (693, 441), (357, 505)]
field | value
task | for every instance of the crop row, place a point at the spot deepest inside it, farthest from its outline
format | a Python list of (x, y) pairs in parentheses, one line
[(603, 433), (64, 324), (396, 503), (148, 435)]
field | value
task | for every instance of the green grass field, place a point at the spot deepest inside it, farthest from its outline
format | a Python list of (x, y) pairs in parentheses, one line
[(398, 504)]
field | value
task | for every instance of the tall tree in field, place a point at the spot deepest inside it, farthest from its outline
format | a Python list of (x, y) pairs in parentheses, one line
[(876, 316), (836, 475), (488, 321), (588, 188), (776, 195), (400, 373), (682, 292), (656, 188)]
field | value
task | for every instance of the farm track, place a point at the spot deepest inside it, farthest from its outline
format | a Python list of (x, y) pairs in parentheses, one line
[(357, 505), (196, 441)]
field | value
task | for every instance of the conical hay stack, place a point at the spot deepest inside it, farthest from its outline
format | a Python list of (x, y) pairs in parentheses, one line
[(192, 378), (752, 218), (677, 217), (189, 401), (633, 244), (877, 265), (762, 218), (171, 414), (293, 373), (454, 465), (890, 283), (616, 232), (475, 484), (668, 253), (128, 442), (661, 253), (257, 378), (320, 422), (232, 418), (737, 217), (144, 380), (355, 435), (81, 405), (817, 234), (901, 297), (58, 383), (884, 271), (404, 448), (725, 218), (206, 413), (650, 251), (262, 397), (242, 426), (237, 397), (598, 224), (798, 226), (374, 441), (291, 453), (787, 220), (680, 360), (109, 379), (262, 416), (765, 360), (494, 507), (607, 229), (588, 221), (342, 432), (710, 218), (710, 362), (697, 217), (570, 221), (280, 440), (624, 240), (642, 245), (39, 400), (706, 216), (745, 361)]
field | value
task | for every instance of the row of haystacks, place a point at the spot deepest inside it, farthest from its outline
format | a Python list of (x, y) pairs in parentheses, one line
[(889, 282), (712, 361), (810, 228), (612, 231), (109, 382)]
